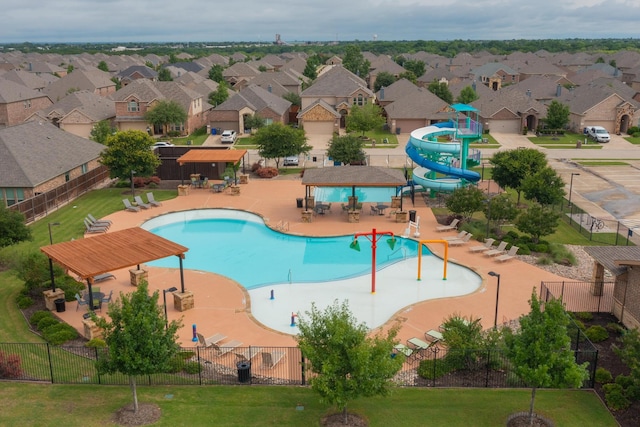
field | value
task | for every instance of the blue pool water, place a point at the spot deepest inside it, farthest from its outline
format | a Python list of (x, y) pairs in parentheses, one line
[(238, 245), (364, 194)]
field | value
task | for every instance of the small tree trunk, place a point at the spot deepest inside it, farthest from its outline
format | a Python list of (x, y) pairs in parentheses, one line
[(344, 413), (533, 398), (132, 384)]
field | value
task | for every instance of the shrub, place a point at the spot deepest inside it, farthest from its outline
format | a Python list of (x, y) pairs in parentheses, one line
[(596, 333), (96, 343), (39, 315), (46, 322), (584, 315), (603, 376), (24, 301), (541, 247), (432, 369), (10, 366), (255, 166), (614, 396), (70, 286), (580, 324), (633, 130), (59, 334), (176, 365), (267, 172), (615, 328), (192, 367)]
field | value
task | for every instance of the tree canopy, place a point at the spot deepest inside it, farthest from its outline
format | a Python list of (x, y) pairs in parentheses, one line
[(164, 75), (416, 66), (346, 149), (465, 201), (101, 131), (130, 150), (219, 95), (467, 95), (545, 187), (557, 115), (354, 61), (165, 113), (12, 227), (347, 362), (441, 90), (383, 79), (366, 118), (538, 221), (215, 73), (511, 167), (277, 140)]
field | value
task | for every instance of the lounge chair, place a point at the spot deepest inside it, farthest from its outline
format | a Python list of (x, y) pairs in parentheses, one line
[(513, 250), (94, 228), (128, 206), (459, 236), (452, 226), (271, 358), (247, 354), (463, 241), (208, 342), (488, 243), (152, 200), (433, 336), (141, 203), (102, 277), (401, 348), (226, 347), (94, 221), (497, 251)]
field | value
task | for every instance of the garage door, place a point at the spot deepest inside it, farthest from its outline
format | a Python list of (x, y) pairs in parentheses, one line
[(505, 126), (318, 128), (407, 126)]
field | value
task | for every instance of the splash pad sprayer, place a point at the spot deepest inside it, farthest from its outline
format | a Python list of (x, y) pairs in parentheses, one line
[(195, 334), (272, 297), (446, 256), (373, 237), (293, 319)]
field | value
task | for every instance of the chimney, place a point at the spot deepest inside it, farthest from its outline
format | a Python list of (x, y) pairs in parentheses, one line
[(529, 93), (381, 93), (30, 66), (558, 90), (269, 88), (473, 86)]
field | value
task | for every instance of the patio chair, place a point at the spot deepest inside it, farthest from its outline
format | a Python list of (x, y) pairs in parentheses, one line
[(152, 200), (213, 339), (94, 228), (128, 206), (102, 277), (271, 358), (513, 250), (459, 236), (488, 243), (497, 251), (345, 208), (226, 347), (141, 203), (452, 225), (374, 210), (80, 301), (108, 298), (95, 221), (460, 242)]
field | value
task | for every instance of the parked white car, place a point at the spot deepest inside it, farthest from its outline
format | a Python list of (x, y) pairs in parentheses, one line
[(161, 144), (290, 161), (599, 133), (228, 137)]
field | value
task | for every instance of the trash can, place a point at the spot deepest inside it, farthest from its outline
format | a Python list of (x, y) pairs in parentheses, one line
[(213, 131), (244, 371), (299, 202), (412, 216), (398, 131), (60, 305)]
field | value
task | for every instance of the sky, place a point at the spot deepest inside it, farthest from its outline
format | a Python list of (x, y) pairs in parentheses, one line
[(119, 21)]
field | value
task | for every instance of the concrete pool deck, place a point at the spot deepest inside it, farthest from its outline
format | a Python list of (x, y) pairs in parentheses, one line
[(223, 306)]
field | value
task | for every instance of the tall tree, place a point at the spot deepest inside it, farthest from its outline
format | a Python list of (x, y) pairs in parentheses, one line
[(537, 221), (130, 150), (545, 187), (101, 131), (293, 98), (347, 362), (219, 95), (541, 350), (165, 113), (383, 79), (354, 61), (365, 118), (409, 76), (557, 115), (416, 66), (103, 66), (139, 339), (511, 167), (215, 73), (12, 227), (467, 95), (164, 75), (441, 90), (465, 201), (277, 140), (346, 149), (254, 122), (500, 209), (311, 68)]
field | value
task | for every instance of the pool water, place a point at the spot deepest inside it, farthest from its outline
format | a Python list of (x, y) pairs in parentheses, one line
[(364, 194), (240, 246)]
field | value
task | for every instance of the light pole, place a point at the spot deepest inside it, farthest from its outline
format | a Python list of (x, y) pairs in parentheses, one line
[(495, 319), (133, 191), (53, 283), (164, 300), (571, 186)]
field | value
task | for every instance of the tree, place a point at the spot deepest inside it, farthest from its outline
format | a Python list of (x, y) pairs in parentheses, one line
[(383, 79), (416, 66), (541, 350), (409, 76), (277, 140), (537, 221), (130, 150), (311, 68), (215, 73), (103, 66), (12, 227), (139, 341), (165, 113), (465, 201), (293, 98), (348, 364), (254, 122), (354, 61), (557, 115), (511, 167), (441, 90), (164, 75), (467, 95), (365, 118), (219, 95), (101, 131), (545, 187), (346, 149), (500, 209)]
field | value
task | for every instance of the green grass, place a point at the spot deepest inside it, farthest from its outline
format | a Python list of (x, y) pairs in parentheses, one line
[(195, 139), (53, 405), (604, 163), (633, 140)]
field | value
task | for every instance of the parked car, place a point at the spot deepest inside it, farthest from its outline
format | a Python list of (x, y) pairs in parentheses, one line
[(290, 161), (228, 137), (599, 133), (161, 144)]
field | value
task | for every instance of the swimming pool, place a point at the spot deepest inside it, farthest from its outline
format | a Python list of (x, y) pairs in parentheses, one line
[(238, 245), (364, 194), (276, 289)]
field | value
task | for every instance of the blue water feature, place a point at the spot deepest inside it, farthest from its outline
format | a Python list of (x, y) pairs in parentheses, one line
[(239, 245), (364, 194)]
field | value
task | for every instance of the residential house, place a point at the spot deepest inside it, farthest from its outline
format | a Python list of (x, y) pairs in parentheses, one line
[(239, 74), (78, 112), (509, 110), (250, 101), (36, 157), (417, 109), (17, 102), (98, 82), (30, 80), (135, 99), (278, 82), (39, 68), (136, 72), (326, 103), (383, 64), (495, 75)]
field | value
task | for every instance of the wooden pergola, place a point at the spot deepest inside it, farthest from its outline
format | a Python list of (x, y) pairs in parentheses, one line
[(100, 254), (212, 156)]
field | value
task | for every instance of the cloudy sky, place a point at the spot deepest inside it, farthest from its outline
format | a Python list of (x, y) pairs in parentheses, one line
[(116, 21)]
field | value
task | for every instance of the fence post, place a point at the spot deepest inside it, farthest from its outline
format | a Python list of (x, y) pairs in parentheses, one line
[(488, 364), (50, 362), (97, 372), (435, 362), (303, 368)]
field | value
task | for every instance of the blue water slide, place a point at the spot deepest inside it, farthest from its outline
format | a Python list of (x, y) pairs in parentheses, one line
[(419, 143)]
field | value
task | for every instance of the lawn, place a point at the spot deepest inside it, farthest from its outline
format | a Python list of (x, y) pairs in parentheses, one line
[(53, 405), (568, 140)]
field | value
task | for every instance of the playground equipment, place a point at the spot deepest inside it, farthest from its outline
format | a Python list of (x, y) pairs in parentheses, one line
[(373, 237), (446, 256), (450, 158), (415, 225)]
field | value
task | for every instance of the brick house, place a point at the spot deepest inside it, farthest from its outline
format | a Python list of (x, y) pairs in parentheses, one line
[(18, 102)]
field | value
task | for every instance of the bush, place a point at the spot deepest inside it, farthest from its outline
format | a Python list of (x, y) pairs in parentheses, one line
[(267, 172), (596, 333), (10, 366), (46, 322), (603, 376), (633, 130), (59, 334), (614, 396), (70, 286), (432, 369), (192, 367), (173, 133), (39, 315), (96, 343), (24, 301), (584, 315), (615, 328), (255, 166), (175, 365)]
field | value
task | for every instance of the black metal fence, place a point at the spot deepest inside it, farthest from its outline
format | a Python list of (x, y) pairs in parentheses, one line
[(601, 230), (593, 297)]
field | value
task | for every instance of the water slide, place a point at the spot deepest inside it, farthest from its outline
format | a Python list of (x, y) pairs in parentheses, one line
[(433, 156)]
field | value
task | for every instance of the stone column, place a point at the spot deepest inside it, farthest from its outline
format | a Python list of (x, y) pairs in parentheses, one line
[(137, 276), (183, 301)]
